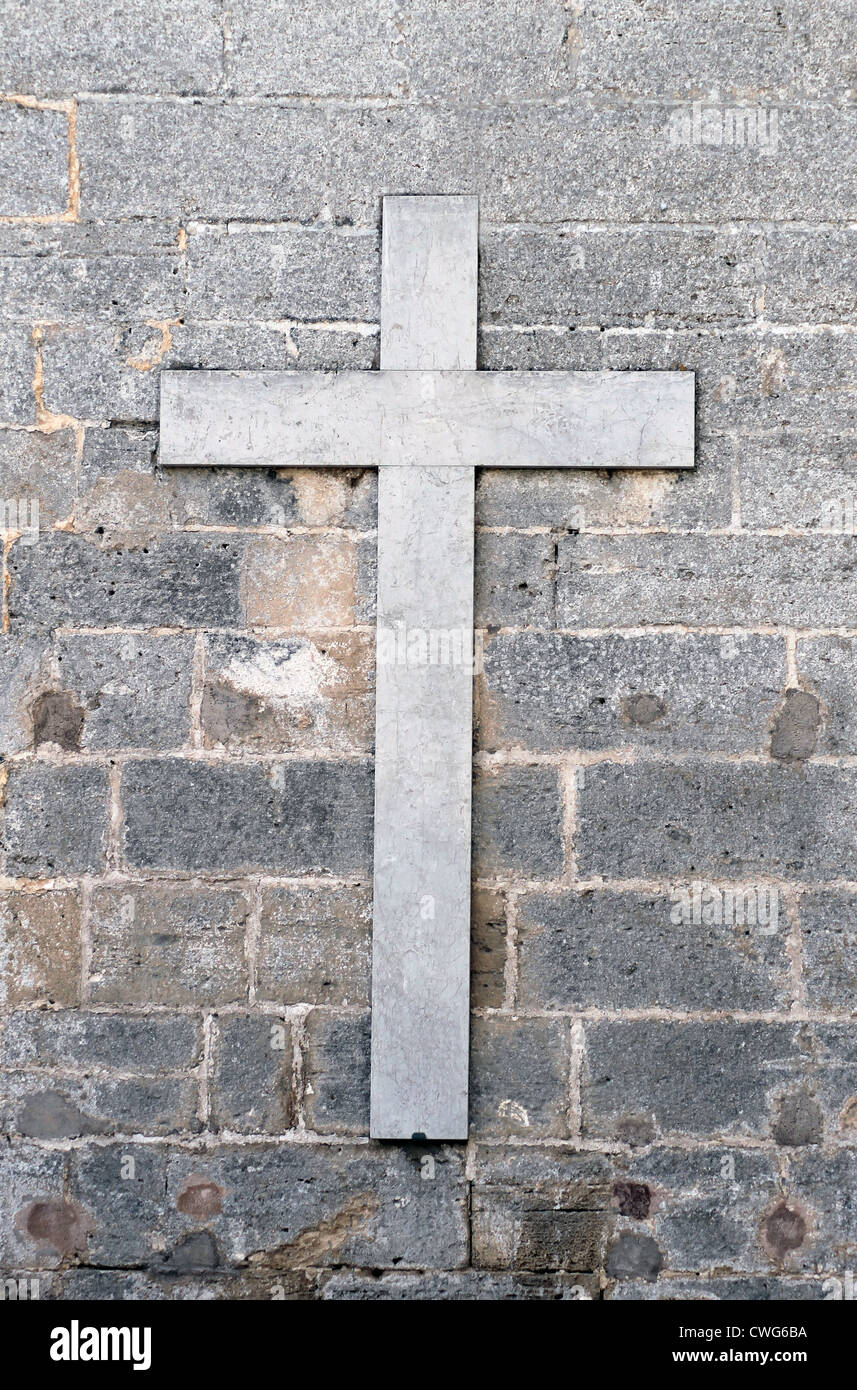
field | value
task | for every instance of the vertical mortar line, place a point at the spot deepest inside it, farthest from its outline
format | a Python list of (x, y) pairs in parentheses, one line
[(6, 581), (72, 213), (205, 1070), (791, 659), (297, 1020), (794, 947), (86, 887), (570, 772), (115, 827), (197, 686), (575, 1075), (252, 937), (510, 969)]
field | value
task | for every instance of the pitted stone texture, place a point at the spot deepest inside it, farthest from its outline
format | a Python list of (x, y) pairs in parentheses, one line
[(135, 690), (315, 945), (519, 1077), (252, 1087), (517, 823), (33, 160), (54, 820), (40, 948)]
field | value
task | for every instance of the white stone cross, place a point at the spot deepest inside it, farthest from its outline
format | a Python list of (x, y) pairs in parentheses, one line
[(427, 420)]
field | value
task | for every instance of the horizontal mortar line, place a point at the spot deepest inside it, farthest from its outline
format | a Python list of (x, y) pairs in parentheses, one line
[(212, 756), (208, 1140), (153, 878), (293, 630), (98, 1071), (755, 328), (585, 100), (664, 1014), (664, 630), (580, 885)]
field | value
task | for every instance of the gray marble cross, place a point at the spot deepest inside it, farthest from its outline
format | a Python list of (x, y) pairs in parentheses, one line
[(427, 420)]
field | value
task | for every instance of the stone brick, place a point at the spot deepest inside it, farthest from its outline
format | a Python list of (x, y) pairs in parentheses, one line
[(40, 469), (466, 55), (80, 273), (517, 823), (519, 1077), (514, 580), (593, 160), (122, 1186), (34, 155), (60, 1107), (828, 924), (82, 1040), (186, 580), (292, 1206), (17, 361), (702, 819), (54, 820), (820, 1215), (37, 1228), (301, 693), (737, 1290), (694, 579), (826, 667), (514, 1229), (809, 274), (135, 689), (283, 273), (470, 1286), (40, 948), (574, 499), (744, 1079), (549, 692), (302, 581), (791, 479), (168, 944), (592, 274), (287, 817), (616, 950), (336, 1072), (315, 945), (106, 47), (488, 949), (252, 1090), (26, 667)]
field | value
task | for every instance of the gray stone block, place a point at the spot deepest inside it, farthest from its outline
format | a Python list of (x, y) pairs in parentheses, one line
[(549, 692), (40, 469), (168, 944), (40, 948), (135, 689), (519, 1077), (82, 1040), (33, 160), (517, 823), (703, 820), (828, 924), (252, 1089), (315, 945), (514, 580), (61, 1107), (17, 363), (336, 1072), (622, 951), (827, 667), (286, 817), (122, 1187), (26, 668), (54, 820), (186, 580), (38, 1228)]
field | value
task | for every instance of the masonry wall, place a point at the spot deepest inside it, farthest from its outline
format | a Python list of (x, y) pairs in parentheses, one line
[(662, 1104)]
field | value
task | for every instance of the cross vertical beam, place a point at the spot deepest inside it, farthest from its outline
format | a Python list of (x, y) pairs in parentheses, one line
[(421, 916)]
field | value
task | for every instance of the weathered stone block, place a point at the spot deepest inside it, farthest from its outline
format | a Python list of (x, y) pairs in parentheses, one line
[(122, 1187), (38, 472), (742, 821), (38, 1228), (62, 1107), (517, 822), (315, 945), (34, 155), (311, 692), (304, 581), (287, 817), (519, 1077), (488, 949), (54, 820), (135, 690), (550, 692), (80, 1039), (26, 668), (40, 948), (615, 950), (336, 1072), (514, 580), (168, 944), (253, 1091), (17, 363)]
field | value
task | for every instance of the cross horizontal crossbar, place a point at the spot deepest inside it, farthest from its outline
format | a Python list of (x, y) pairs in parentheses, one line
[(440, 418)]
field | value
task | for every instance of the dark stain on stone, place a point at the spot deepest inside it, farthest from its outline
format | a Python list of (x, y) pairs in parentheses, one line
[(201, 1197), (64, 1226), (799, 1120), (783, 1230), (633, 1199), (195, 1251), (635, 1130), (58, 719), (643, 710), (635, 1257), (795, 727), (51, 1115)]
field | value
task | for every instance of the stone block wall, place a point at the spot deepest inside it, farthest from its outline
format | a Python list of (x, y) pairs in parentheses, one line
[(664, 1060)]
